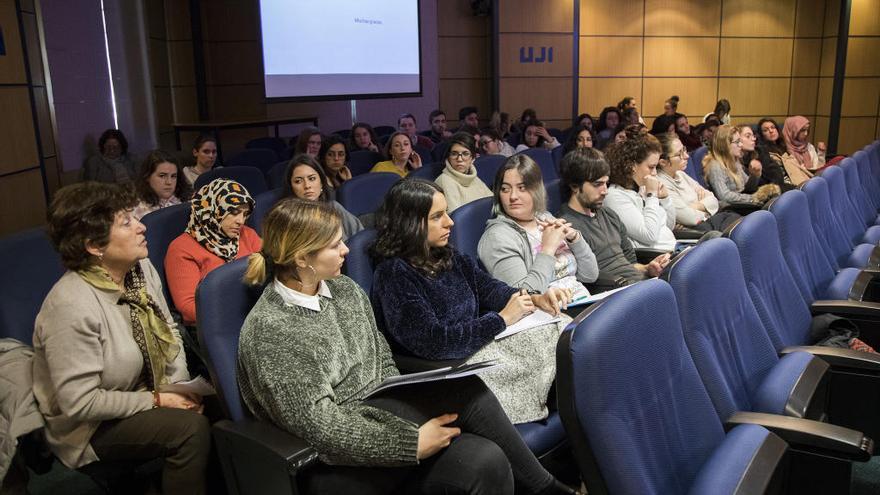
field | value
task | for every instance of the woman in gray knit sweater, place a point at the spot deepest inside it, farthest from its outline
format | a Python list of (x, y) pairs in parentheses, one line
[(310, 351)]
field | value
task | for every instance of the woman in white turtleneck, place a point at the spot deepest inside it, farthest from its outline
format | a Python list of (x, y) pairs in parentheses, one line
[(459, 178)]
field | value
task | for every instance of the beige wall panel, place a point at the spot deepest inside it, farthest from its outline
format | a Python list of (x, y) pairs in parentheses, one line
[(22, 202), (240, 102), (527, 16), (807, 55), (219, 15), (34, 51), (509, 55), (756, 57), (233, 63), (734, 120), (832, 17), (610, 57), (802, 100), (697, 96), (466, 56), (820, 130), (682, 17), (454, 18), (164, 107), (754, 96), (810, 18), (178, 25), (17, 139), (681, 57), (865, 18), (594, 94), (184, 103), (603, 17), (551, 98), (863, 57), (855, 133), (159, 62), (829, 52), (758, 18), (180, 63), (457, 93), (823, 98), (860, 97), (12, 64), (560, 124)]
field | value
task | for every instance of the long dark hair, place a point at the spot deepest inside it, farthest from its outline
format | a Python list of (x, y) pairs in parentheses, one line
[(571, 142), (602, 116), (402, 227), (777, 146), (182, 190), (309, 161)]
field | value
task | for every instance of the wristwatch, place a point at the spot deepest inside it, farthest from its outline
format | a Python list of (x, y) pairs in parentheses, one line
[(649, 195)]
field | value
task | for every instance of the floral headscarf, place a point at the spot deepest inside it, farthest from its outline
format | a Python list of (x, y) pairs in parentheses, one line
[(210, 204)]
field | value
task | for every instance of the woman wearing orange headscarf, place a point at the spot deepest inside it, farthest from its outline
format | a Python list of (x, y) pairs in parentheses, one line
[(795, 132)]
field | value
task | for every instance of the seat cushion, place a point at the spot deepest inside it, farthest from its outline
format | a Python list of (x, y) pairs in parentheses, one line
[(735, 457), (543, 436), (776, 388), (842, 283), (872, 235)]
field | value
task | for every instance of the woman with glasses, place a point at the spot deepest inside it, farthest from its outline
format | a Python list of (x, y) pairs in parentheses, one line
[(334, 155), (579, 137), (725, 175), (491, 143), (459, 178)]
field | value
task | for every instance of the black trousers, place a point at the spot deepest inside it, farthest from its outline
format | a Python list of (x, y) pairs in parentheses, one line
[(488, 457), (718, 221)]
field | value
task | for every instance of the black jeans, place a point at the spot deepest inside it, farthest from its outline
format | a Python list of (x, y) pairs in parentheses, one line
[(488, 457)]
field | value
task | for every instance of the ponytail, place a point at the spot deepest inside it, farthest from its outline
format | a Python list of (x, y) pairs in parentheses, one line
[(257, 271)]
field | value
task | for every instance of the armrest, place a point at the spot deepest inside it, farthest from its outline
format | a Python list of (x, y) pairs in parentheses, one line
[(412, 364), (810, 436), (253, 439), (847, 308), (873, 260), (839, 358), (742, 208), (605, 282), (645, 255), (686, 233)]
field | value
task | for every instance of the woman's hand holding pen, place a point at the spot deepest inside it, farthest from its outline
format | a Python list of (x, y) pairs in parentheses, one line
[(519, 306)]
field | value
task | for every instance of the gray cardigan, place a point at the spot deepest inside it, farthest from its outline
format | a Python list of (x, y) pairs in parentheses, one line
[(87, 364), (350, 223), (507, 255)]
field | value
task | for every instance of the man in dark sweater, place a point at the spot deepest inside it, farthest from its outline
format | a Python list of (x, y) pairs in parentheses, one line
[(584, 184)]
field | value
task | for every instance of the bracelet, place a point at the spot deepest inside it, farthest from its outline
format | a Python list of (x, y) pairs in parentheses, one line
[(156, 402)]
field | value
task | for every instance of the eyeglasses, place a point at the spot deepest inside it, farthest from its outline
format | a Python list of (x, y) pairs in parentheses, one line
[(485, 142), (737, 142), (463, 155)]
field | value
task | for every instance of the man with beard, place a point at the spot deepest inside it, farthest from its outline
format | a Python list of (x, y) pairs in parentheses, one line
[(584, 184)]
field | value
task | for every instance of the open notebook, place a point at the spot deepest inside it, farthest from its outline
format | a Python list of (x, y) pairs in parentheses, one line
[(445, 373)]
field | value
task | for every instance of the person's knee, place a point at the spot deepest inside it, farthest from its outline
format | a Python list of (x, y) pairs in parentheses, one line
[(193, 434), (473, 465)]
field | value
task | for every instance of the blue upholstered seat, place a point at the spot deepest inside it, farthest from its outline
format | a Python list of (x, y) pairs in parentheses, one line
[(163, 226), (470, 223), (261, 158), (251, 178), (364, 193), (360, 162), (544, 160), (487, 167), (828, 230)]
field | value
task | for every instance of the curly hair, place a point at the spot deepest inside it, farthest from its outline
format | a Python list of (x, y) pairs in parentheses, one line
[(624, 156), (82, 214), (182, 189)]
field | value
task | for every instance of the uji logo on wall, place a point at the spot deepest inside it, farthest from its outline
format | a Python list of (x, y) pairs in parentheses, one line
[(535, 55)]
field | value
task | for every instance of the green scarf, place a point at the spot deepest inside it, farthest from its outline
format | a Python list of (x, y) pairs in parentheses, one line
[(149, 329)]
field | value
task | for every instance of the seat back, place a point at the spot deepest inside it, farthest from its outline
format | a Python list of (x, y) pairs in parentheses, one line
[(30, 268), (358, 265), (261, 158), (860, 203), (487, 167), (695, 165), (275, 144), (382, 130), (544, 160), (438, 153), (364, 193), (557, 153), (769, 282), (262, 204), (811, 268), (360, 162), (554, 196), (840, 206), (163, 226), (723, 332), (223, 302), (275, 175), (826, 225), (637, 415), (428, 171), (343, 133), (251, 178), (470, 222), (869, 182)]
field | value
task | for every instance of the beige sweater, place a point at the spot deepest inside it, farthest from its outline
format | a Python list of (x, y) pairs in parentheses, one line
[(87, 364), (461, 188)]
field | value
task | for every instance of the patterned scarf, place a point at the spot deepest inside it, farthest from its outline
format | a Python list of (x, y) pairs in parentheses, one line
[(210, 204), (797, 149), (148, 327)]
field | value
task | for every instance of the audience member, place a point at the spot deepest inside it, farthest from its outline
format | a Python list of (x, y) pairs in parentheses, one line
[(663, 124), (779, 167), (406, 123), (636, 194), (580, 136), (584, 185), (459, 177), (749, 159), (204, 151), (609, 119), (216, 234), (310, 351), (492, 144), (585, 120), (721, 112), (796, 132), (112, 164), (706, 131), (305, 179), (500, 123), (104, 342), (402, 158), (629, 110), (309, 141), (334, 157), (435, 303), (524, 245), (363, 138), (528, 116), (725, 175), (536, 136), (695, 206), (468, 116), (689, 139), (670, 106), (160, 183), (438, 131)]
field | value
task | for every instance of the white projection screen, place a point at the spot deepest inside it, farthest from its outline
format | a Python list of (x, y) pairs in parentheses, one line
[(334, 49)]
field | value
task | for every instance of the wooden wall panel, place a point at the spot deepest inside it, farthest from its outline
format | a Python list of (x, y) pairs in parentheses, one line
[(17, 138), (180, 63), (756, 57), (551, 98), (855, 132), (865, 18), (832, 17), (594, 94), (620, 56), (527, 16), (755, 96), (829, 52), (233, 62), (455, 18), (611, 17), (458, 93), (807, 57), (514, 46), (682, 17), (21, 201), (863, 57), (696, 94), (802, 100), (758, 18), (681, 57), (820, 129), (466, 56), (860, 97), (159, 70), (464, 61), (12, 64), (807, 22), (823, 98)]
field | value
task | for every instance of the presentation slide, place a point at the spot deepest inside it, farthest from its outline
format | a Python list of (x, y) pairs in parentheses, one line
[(314, 48)]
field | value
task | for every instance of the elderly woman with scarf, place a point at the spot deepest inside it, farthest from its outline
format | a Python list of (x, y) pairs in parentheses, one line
[(216, 234), (104, 345), (796, 131)]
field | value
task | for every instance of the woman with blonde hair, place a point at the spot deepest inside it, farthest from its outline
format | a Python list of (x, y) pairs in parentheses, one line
[(725, 175), (310, 351)]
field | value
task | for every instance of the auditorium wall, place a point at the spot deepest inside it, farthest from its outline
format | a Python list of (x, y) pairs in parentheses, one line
[(464, 60), (860, 111)]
